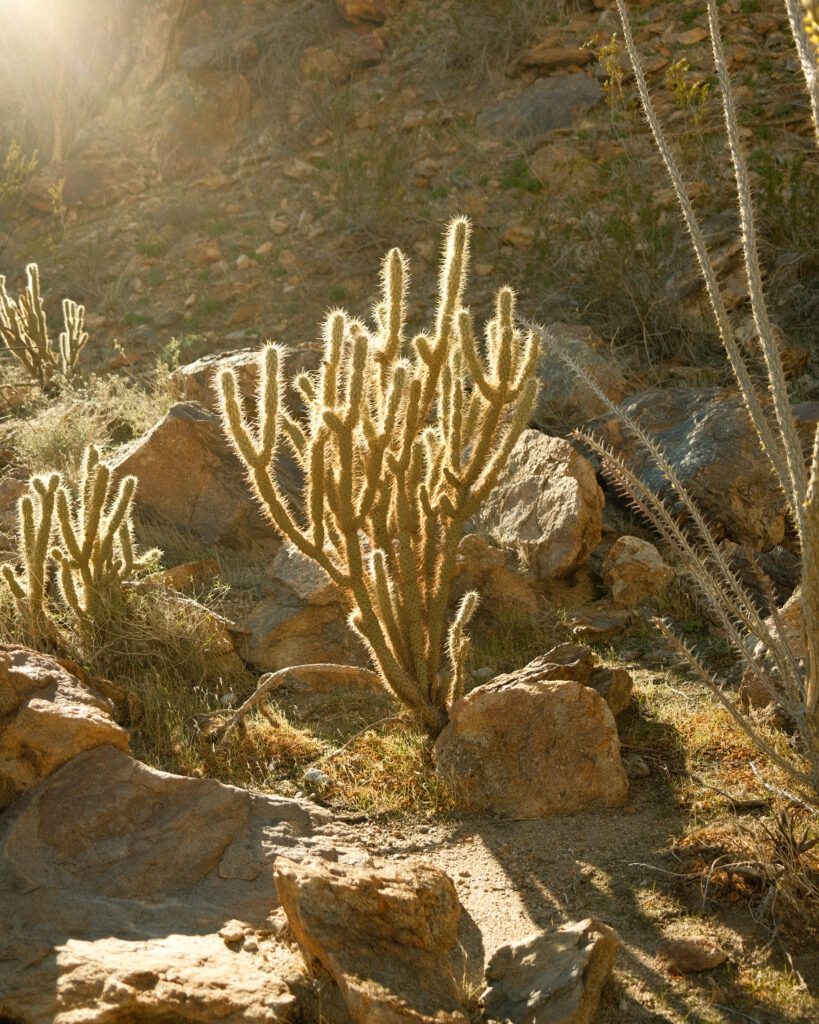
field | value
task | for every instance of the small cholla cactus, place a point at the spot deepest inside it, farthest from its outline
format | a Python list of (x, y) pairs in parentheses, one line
[(96, 553), (402, 441), (89, 538), (35, 514), (24, 331)]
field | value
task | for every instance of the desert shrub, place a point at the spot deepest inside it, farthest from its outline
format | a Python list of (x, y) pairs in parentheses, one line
[(788, 674), (401, 443)]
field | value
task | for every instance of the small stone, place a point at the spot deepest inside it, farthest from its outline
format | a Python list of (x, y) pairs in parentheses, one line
[(636, 767), (689, 956), (232, 932), (244, 262), (316, 779), (264, 249)]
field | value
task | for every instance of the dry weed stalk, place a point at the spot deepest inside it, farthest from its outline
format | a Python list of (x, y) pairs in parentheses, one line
[(401, 444), (24, 331), (795, 682)]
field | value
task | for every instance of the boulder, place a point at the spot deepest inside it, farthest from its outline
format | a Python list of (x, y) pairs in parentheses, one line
[(526, 747), (549, 103), (301, 620), (706, 434), (546, 505), (190, 478), (565, 399), (634, 572), (196, 382), (554, 977), (47, 716), (386, 936), (117, 886)]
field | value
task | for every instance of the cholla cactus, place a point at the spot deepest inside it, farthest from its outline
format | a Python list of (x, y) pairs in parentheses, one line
[(24, 331), (401, 444), (35, 513), (96, 554)]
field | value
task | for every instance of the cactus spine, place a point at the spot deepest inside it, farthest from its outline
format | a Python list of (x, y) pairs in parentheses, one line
[(401, 443), (24, 331)]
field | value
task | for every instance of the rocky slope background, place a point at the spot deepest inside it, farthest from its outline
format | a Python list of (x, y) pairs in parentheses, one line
[(222, 172)]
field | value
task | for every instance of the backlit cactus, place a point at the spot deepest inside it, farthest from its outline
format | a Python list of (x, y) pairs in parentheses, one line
[(24, 331), (401, 442)]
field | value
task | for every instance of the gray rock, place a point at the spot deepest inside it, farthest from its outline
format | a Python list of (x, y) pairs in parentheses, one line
[(549, 103), (708, 438), (551, 978)]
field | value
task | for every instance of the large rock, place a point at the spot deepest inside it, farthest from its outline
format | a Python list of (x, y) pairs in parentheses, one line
[(190, 478), (47, 717), (531, 747), (547, 505), (503, 589), (708, 438), (552, 978), (549, 103), (578, 663), (634, 571), (564, 398), (302, 620), (385, 935), (130, 894)]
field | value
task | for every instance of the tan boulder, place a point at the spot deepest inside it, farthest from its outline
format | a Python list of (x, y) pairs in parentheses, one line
[(634, 572), (554, 977), (503, 588), (190, 478), (526, 747), (384, 934), (47, 717), (546, 506)]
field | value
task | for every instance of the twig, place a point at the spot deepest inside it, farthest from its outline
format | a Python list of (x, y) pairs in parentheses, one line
[(273, 680)]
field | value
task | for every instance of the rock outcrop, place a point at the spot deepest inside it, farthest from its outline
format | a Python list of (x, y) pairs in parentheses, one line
[(546, 506), (127, 893)]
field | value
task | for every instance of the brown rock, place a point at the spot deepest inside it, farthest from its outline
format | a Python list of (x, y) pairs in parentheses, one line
[(359, 12), (115, 881), (47, 717), (614, 685), (303, 620), (547, 57), (546, 505), (706, 434), (190, 478), (200, 254), (634, 572), (688, 956), (532, 749), (502, 587), (83, 183), (554, 977), (384, 935)]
